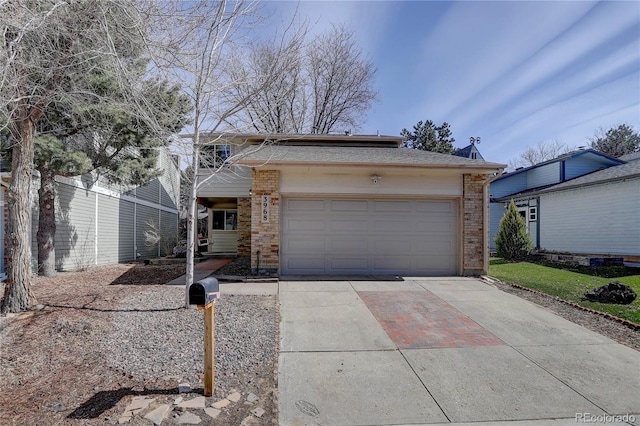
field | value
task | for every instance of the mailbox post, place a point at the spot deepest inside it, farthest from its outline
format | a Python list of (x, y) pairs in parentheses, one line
[(204, 294)]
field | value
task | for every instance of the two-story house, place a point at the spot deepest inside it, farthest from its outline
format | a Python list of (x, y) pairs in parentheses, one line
[(345, 204)]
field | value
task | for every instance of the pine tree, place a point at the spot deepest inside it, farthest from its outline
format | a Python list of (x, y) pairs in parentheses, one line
[(513, 241), (429, 137)]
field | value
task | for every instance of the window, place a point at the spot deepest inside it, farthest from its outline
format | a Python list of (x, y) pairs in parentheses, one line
[(214, 156), (533, 214), (224, 220), (474, 156)]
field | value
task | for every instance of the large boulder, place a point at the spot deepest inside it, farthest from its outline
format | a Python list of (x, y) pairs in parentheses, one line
[(614, 292)]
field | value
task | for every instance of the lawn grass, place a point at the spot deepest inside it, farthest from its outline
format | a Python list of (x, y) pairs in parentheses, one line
[(570, 282)]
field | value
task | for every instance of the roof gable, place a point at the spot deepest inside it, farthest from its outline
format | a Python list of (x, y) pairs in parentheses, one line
[(468, 152)]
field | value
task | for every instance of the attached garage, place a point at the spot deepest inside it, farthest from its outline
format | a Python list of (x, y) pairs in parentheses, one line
[(362, 205), (369, 236)]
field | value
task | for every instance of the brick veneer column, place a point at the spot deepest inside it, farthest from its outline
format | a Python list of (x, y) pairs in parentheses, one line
[(473, 208), (265, 237), (244, 226)]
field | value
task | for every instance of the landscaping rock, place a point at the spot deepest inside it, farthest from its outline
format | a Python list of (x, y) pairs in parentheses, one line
[(614, 292), (188, 419), (158, 415)]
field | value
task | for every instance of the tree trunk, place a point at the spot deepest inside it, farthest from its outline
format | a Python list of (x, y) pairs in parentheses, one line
[(47, 223), (192, 214), (18, 295)]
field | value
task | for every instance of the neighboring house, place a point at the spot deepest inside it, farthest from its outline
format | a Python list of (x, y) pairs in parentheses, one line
[(583, 202), (469, 151), (347, 204), (100, 224)]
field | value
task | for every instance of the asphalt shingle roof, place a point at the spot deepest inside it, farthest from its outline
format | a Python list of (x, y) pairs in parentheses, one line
[(308, 155), (634, 156)]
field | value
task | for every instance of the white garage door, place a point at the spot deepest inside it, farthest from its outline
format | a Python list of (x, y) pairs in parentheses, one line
[(339, 236)]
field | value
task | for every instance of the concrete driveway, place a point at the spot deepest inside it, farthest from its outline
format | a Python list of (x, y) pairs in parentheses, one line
[(441, 351)]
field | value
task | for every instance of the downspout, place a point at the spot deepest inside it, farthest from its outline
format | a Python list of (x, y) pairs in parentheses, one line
[(485, 219)]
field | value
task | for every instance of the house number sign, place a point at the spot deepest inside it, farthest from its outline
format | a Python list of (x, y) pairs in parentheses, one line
[(266, 200)]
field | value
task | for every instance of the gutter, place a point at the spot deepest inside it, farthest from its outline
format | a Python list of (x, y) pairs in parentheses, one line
[(468, 168)]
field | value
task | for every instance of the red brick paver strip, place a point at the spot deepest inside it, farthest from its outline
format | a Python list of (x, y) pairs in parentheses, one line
[(211, 264), (422, 320)]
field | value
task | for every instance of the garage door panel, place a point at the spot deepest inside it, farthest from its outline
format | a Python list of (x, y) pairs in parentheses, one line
[(306, 263), (347, 264), (336, 236), (347, 246), (305, 225), (392, 206), (348, 225), (391, 226), (434, 207), (309, 244), (445, 227), (391, 264), (309, 205), (349, 205), (390, 246)]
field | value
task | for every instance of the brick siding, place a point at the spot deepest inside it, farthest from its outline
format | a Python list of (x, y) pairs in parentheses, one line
[(265, 237), (244, 226), (473, 207)]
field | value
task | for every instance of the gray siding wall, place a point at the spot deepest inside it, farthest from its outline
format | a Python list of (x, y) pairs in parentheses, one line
[(75, 228), (144, 217), (226, 183), (600, 219), (169, 181), (108, 230), (543, 175), (97, 227), (508, 185), (169, 226), (126, 241), (579, 166), (149, 192)]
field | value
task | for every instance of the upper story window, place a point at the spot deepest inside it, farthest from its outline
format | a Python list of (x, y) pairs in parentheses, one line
[(474, 156), (214, 156)]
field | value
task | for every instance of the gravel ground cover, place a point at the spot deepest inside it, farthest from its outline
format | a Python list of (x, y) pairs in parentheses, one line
[(101, 343)]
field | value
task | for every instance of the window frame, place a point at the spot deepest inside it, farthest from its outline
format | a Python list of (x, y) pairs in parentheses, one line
[(227, 213)]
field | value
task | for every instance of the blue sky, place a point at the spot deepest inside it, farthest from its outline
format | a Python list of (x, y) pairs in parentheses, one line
[(515, 73)]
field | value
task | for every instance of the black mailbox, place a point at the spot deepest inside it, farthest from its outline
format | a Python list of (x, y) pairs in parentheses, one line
[(204, 292)]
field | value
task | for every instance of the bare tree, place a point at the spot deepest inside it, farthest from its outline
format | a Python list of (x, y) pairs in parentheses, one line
[(324, 86), (341, 81), (539, 153), (196, 45), (46, 49)]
